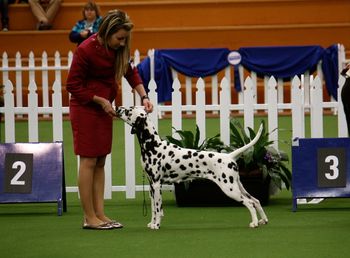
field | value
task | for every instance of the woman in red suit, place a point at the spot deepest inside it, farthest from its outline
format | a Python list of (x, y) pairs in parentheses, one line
[(98, 65)]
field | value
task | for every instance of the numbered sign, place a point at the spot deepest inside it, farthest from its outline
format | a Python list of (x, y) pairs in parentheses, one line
[(32, 172), (320, 168)]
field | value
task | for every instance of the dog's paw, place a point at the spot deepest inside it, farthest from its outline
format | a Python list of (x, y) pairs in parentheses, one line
[(253, 225), (263, 221), (153, 226)]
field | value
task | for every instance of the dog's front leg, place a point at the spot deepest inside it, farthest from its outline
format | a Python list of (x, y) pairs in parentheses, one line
[(156, 204)]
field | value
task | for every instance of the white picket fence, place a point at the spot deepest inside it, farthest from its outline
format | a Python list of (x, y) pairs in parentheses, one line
[(306, 97)]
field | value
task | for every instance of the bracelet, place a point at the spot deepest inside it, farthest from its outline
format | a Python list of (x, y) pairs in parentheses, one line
[(144, 97)]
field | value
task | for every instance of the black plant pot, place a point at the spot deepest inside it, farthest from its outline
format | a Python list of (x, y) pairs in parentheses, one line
[(203, 192)]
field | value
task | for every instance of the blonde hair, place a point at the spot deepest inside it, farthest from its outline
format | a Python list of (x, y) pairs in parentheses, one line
[(112, 22)]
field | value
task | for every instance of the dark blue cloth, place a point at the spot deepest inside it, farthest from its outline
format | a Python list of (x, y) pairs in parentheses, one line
[(286, 62), (330, 70), (190, 62), (280, 62)]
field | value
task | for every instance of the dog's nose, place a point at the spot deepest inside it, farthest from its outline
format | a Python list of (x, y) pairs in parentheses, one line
[(119, 111)]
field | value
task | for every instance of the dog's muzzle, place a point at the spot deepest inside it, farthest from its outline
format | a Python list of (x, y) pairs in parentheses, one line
[(119, 111)]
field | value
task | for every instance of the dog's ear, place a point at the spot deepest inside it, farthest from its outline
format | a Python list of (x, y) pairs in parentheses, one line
[(139, 125), (133, 130)]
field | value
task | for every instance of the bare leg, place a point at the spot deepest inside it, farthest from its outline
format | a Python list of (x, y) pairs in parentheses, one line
[(98, 189), (38, 11), (52, 10), (86, 189)]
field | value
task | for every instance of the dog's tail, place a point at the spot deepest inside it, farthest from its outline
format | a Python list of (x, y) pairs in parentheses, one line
[(238, 152)]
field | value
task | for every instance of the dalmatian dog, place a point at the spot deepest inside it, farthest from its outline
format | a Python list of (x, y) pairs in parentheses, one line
[(167, 163)]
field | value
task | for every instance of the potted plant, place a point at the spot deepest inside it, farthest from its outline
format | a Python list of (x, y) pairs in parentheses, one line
[(262, 168), (199, 192), (262, 163)]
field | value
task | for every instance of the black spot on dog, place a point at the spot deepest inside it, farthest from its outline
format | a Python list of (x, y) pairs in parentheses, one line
[(211, 155), (201, 156), (230, 165), (231, 179), (167, 166), (182, 167), (174, 175)]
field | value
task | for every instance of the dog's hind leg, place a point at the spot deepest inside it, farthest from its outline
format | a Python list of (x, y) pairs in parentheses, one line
[(241, 197), (257, 205), (156, 204)]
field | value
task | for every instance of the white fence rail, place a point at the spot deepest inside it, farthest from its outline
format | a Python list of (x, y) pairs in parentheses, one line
[(306, 95)]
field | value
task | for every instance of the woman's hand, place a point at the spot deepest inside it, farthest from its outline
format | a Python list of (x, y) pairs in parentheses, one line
[(148, 105), (106, 105)]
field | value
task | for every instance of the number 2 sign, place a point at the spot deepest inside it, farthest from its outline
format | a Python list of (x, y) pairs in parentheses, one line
[(32, 172), (18, 172)]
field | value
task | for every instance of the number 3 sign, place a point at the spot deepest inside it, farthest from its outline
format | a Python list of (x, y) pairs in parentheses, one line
[(320, 168), (32, 172)]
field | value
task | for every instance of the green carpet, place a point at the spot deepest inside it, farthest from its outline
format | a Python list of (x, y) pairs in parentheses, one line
[(34, 230)]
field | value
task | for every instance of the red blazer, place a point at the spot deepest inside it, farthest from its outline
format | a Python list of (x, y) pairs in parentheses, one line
[(92, 73)]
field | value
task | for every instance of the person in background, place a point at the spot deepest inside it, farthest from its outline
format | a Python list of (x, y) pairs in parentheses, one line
[(45, 12), (345, 95), (4, 10), (88, 25), (98, 65)]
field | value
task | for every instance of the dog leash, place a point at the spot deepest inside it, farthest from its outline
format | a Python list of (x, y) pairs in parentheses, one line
[(144, 208)]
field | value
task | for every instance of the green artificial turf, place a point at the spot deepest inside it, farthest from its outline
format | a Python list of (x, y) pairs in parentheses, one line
[(35, 230)]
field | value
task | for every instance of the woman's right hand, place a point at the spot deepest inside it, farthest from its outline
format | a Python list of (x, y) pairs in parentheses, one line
[(106, 105)]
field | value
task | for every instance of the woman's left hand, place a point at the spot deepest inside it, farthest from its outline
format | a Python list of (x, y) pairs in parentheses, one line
[(148, 105)]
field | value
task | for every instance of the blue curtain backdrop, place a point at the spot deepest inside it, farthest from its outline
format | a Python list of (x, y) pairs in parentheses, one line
[(280, 62)]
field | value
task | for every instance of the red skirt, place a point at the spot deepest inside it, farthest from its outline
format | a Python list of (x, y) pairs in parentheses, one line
[(92, 130)]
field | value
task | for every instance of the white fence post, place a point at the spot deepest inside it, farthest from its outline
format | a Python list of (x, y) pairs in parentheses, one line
[(297, 97), (316, 110), (200, 109), (130, 179), (33, 122), (272, 110), (9, 109), (176, 115), (45, 77), (19, 83), (249, 100), (224, 112)]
